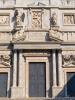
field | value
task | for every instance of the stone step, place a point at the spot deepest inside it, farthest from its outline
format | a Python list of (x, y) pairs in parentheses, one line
[(59, 98)]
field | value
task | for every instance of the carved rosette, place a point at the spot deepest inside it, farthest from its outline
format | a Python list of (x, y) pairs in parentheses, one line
[(5, 59)]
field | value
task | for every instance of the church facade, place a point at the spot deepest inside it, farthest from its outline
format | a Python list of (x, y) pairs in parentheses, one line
[(37, 49)]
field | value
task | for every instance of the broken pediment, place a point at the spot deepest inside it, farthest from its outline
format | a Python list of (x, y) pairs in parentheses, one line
[(34, 4)]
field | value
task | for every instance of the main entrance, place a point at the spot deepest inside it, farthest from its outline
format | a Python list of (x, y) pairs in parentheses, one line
[(71, 84), (37, 74)]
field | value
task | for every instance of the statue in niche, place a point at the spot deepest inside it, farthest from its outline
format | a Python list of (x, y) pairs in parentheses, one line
[(19, 17), (54, 19)]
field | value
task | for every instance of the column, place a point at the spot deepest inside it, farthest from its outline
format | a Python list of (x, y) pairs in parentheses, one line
[(20, 70), (54, 68), (60, 67), (15, 69)]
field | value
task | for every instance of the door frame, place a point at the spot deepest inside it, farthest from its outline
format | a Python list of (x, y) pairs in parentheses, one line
[(37, 59)]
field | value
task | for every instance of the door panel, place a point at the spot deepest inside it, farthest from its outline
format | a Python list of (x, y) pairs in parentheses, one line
[(37, 79)]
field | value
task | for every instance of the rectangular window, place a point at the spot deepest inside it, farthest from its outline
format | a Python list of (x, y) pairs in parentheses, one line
[(69, 19), (37, 79), (3, 84)]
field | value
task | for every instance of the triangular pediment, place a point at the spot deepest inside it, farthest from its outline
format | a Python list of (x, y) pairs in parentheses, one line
[(34, 4)]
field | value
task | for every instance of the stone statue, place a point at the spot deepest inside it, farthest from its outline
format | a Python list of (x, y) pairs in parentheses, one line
[(19, 17), (54, 19)]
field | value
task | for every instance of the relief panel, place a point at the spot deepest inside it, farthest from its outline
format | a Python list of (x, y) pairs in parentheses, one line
[(36, 19), (69, 19), (4, 20)]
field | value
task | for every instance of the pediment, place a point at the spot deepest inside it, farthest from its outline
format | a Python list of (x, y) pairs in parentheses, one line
[(34, 4)]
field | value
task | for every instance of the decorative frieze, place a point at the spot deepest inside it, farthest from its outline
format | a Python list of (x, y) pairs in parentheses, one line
[(4, 20), (68, 2), (36, 19)]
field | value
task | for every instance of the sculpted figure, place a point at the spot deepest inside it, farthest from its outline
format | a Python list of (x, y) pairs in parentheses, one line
[(19, 17), (54, 19)]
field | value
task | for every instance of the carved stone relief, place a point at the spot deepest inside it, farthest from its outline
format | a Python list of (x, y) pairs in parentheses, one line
[(19, 17), (5, 59), (55, 34), (4, 20), (68, 58), (67, 2), (68, 19), (19, 36), (54, 19), (36, 19)]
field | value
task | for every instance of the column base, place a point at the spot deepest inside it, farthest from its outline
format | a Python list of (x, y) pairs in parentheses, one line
[(58, 91), (17, 92)]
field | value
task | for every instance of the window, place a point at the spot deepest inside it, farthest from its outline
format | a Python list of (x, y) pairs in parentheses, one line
[(69, 19), (71, 84), (37, 85), (3, 84)]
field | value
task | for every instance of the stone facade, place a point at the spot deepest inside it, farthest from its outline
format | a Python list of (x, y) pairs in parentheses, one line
[(41, 31)]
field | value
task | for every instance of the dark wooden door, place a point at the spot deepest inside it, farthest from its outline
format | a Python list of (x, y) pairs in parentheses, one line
[(37, 79)]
